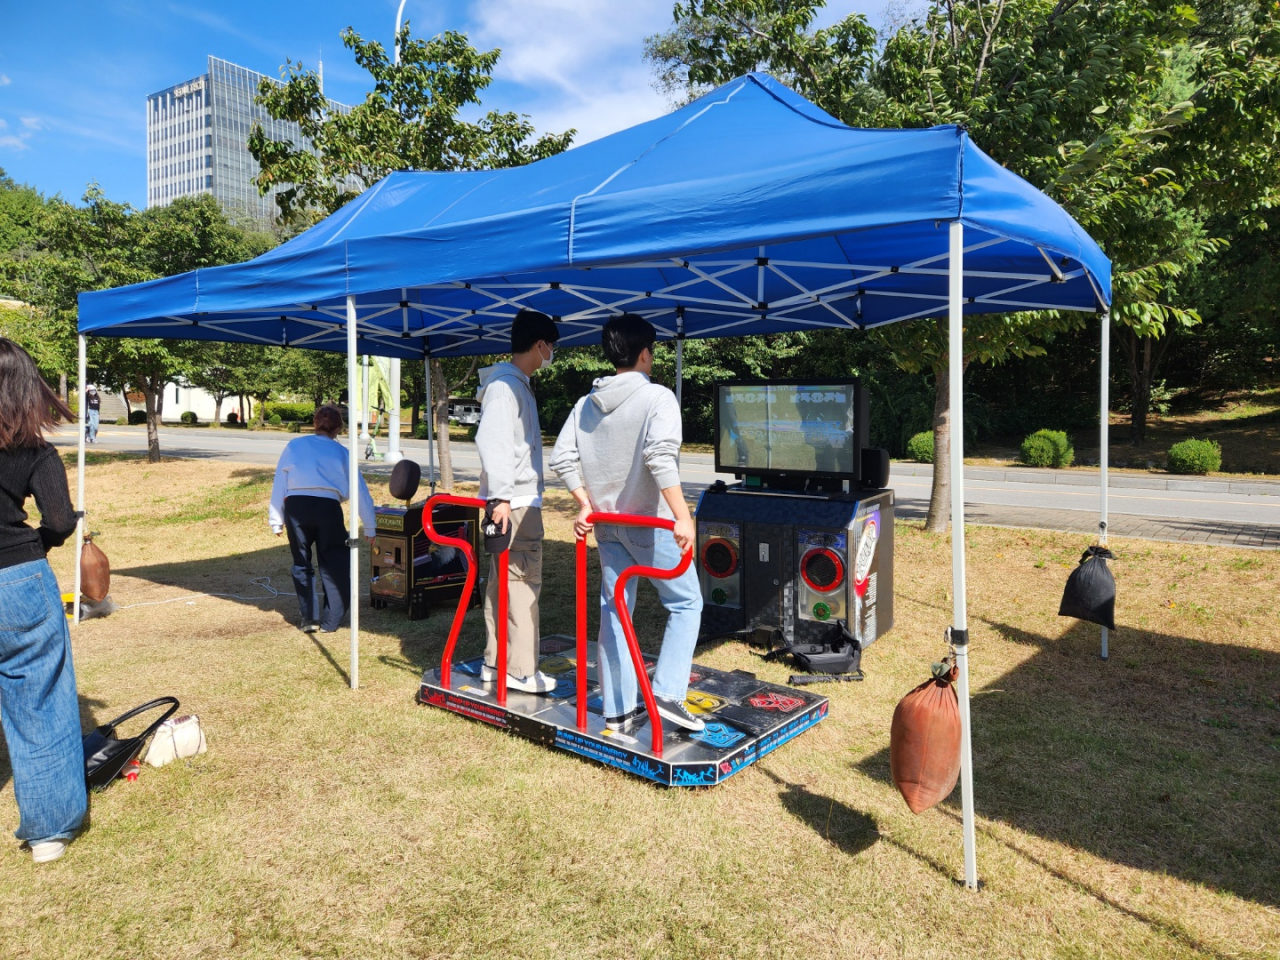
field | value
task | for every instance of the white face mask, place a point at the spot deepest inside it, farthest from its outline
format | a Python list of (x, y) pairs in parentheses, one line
[(551, 355)]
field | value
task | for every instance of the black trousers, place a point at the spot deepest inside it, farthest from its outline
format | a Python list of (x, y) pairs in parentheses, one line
[(318, 522)]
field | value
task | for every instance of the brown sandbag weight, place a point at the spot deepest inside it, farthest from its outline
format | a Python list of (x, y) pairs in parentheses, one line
[(95, 572), (924, 741)]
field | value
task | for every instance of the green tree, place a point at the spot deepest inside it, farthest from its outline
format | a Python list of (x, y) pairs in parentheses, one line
[(411, 119), (1090, 102), (106, 244)]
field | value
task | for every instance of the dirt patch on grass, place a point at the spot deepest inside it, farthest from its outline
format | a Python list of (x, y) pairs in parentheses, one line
[(1125, 809)]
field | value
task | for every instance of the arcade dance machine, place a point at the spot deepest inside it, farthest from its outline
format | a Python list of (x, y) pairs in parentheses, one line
[(805, 538), (745, 717)]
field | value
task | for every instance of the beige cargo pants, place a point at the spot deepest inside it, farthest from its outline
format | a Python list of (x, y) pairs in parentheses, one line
[(524, 574)]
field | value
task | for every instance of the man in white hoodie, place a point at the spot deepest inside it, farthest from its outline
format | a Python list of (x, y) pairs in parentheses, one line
[(619, 453), (509, 441)]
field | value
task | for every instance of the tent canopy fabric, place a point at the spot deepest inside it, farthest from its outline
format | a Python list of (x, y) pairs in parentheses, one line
[(747, 211)]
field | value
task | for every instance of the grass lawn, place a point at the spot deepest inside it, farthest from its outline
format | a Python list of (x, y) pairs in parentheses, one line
[(1125, 809), (1246, 424)]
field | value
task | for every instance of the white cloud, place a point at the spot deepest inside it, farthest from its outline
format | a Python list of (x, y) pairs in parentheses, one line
[(4, 80), (32, 123), (580, 64), (16, 143), (3, 123)]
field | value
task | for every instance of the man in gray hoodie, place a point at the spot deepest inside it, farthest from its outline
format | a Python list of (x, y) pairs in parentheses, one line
[(509, 441), (619, 453)]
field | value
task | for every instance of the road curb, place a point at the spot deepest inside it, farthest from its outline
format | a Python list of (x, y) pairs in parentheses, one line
[(1075, 478)]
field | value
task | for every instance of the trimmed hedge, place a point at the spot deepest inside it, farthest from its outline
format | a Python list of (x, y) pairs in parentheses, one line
[(189, 416), (290, 412), (1048, 448), (275, 420), (1194, 456), (920, 447), (137, 417)]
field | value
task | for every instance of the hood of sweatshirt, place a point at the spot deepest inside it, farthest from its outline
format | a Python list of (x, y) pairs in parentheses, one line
[(499, 371), (609, 393)]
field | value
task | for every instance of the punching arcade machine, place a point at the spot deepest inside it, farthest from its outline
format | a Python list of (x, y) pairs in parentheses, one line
[(804, 540)]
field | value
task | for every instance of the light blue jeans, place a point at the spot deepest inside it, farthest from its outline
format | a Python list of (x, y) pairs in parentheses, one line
[(38, 706), (682, 599), (91, 424)]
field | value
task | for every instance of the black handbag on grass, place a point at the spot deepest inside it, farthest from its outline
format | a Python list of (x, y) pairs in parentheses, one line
[(106, 756)]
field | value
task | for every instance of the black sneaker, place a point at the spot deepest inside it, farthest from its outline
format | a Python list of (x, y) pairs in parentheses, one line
[(631, 718), (678, 713), (309, 626)]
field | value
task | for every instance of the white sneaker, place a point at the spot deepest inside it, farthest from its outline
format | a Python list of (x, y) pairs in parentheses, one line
[(48, 850), (538, 683)]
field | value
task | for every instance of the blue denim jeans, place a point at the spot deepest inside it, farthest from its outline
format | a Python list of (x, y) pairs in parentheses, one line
[(91, 424), (38, 706), (682, 599)]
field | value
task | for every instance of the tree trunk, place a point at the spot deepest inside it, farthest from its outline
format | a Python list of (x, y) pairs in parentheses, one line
[(155, 406), (440, 406), (1140, 384), (217, 410), (62, 387), (939, 516)]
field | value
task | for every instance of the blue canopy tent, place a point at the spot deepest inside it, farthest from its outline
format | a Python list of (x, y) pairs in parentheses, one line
[(747, 211)]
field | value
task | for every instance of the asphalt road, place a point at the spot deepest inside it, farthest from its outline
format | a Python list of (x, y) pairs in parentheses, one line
[(1249, 520)]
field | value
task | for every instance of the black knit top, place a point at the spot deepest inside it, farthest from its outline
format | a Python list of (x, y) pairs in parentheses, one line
[(38, 472)]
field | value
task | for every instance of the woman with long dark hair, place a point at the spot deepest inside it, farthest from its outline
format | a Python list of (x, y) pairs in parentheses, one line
[(39, 711)]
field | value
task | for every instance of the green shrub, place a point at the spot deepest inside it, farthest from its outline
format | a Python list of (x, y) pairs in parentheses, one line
[(275, 420), (121, 421), (189, 416), (1048, 448), (291, 412), (1195, 456), (920, 447), (420, 431), (137, 416), (295, 427)]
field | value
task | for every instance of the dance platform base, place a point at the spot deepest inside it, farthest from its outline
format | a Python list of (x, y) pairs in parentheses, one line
[(745, 717)]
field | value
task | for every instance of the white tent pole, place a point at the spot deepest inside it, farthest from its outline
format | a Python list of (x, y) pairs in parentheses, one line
[(353, 486), (364, 403), (960, 616), (431, 431), (82, 368), (1104, 442)]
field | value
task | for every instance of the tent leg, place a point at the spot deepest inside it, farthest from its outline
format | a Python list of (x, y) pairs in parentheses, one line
[(393, 417), (82, 369), (364, 404), (431, 430), (1104, 443), (960, 616), (353, 485)]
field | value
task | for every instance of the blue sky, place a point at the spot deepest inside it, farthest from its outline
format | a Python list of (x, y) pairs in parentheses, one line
[(74, 76)]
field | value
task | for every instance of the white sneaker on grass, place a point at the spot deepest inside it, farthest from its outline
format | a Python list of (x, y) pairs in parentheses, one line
[(47, 851), (538, 683)]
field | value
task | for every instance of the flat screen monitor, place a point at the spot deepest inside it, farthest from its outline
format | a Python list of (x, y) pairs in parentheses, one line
[(796, 427)]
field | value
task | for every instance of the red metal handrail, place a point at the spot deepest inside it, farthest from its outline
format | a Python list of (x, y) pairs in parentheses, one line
[(446, 662), (624, 615)]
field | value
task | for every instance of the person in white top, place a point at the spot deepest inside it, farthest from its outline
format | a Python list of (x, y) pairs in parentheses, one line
[(509, 441), (311, 484)]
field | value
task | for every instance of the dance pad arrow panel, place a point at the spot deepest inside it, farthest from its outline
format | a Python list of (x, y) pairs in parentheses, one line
[(745, 718)]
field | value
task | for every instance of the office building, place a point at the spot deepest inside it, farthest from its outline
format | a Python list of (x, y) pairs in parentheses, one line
[(197, 141)]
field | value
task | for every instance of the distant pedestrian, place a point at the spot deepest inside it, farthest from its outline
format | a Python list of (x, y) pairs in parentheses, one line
[(93, 411), (312, 481), (39, 710)]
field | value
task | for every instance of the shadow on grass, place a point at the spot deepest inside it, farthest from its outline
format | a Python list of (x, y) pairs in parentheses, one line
[(228, 577), (849, 830), (1163, 759)]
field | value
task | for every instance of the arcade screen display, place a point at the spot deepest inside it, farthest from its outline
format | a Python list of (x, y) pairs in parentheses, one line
[(794, 428)]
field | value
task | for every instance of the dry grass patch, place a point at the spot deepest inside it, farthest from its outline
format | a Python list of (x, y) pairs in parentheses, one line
[(1126, 809)]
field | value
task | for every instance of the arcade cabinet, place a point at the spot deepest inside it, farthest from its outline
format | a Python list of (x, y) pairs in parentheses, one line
[(805, 538)]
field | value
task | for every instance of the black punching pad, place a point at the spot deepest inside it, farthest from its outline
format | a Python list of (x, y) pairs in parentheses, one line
[(405, 479)]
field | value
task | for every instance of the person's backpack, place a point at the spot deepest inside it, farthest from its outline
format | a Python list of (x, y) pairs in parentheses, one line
[(837, 652), (1091, 590)]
